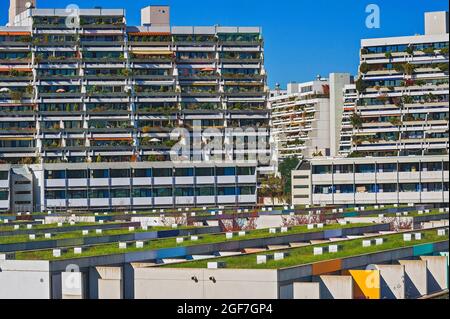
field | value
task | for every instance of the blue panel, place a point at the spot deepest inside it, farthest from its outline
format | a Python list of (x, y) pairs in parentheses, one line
[(171, 252), (332, 233), (168, 233), (421, 250), (351, 214)]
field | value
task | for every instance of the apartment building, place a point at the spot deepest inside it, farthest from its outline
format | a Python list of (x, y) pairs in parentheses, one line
[(83, 87), (403, 103), (307, 120), (389, 180), (349, 104)]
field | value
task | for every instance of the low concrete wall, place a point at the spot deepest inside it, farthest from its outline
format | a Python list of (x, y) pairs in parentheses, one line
[(415, 278), (162, 283), (306, 290), (437, 273), (392, 281), (73, 285), (336, 287), (110, 283)]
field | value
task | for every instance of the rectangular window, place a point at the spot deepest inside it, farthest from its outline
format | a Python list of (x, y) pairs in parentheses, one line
[(184, 192), (409, 187), (246, 171), (60, 174), (99, 193), (432, 167), (301, 186), (120, 193), (322, 169), (365, 168), (4, 195), (77, 194), (184, 172), (246, 190), (366, 188), (142, 192), (226, 191), (55, 194), (226, 171), (76, 174), (387, 188), (205, 191), (120, 173), (142, 172), (409, 167), (162, 172), (99, 173), (342, 169), (204, 171), (163, 192), (4, 175), (387, 167)]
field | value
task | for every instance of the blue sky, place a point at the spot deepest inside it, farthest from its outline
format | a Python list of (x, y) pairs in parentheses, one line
[(303, 38)]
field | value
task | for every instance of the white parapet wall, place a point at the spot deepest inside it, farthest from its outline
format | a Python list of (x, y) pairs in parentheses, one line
[(25, 279), (73, 285), (392, 281), (162, 283), (415, 278), (336, 287), (110, 283), (437, 270), (306, 290)]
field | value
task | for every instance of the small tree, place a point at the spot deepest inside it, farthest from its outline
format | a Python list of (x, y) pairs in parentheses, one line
[(272, 187)]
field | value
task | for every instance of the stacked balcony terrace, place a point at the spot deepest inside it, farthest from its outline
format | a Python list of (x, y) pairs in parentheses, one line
[(403, 101), (350, 96), (17, 108)]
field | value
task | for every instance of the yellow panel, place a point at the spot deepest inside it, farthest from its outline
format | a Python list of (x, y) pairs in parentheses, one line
[(367, 284)]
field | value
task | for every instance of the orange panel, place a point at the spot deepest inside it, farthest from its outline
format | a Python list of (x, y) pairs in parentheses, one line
[(366, 284), (15, 33), (325, 267)]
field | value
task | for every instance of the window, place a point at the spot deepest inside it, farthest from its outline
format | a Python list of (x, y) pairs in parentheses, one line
[(246, 190), (409, 187), (23, 193), (142, 192), (61, 174), (342, 169), (184, 192), (301, 186), (183, 172), (120, 173), (345, 189), (322, 169), (205, 191), (99, 193), (301, 176), (120, 193), (432, 167), (55, 194), (387, 188), (77, 194), (99, 173), (366, 188), (323, 189), (226, 171), (4, 175), (246, 171), (432, 187), (408, 167), (163, 192), (162, 172), (226, 191), (387, 167), (76, 174), (365, 168), (4, 195), (205, 171), (142, 172)]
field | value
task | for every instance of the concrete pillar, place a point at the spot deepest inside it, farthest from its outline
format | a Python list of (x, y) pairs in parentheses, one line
[(110, 283), (437, 273), (72, 285), (306, 290), (415, 278), (392, 281), (336, 287)]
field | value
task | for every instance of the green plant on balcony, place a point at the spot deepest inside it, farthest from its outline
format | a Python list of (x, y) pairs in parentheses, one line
[(407, 99), (388, 55), (364, 51), (420, 82), (395, 121), (430, 97), (443, 67), (429, 51), (408, 68), (364, 68), (16, 95), (444, 51), (361, 85), (356, 120), (410, 50)]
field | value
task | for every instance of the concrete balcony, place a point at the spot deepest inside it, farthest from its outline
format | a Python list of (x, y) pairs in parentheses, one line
[(142, 181), (184, 180), (82, 182), (408, 197), (432, 197), (226, 179), (409, 176), (204, 200), (247, 199), (77, 202), (343, 178), (99, 202), (347, 198), (250, 179), (323, 198), (364, 178), (431, 176), (55, 203), (54, 183), (143, 201), (93, 182), (365, 198), (163, 201), (121, 181), (226, 199), (205, 180), (163, 181), (120, 202), (387, 177), (322, 178), (188, 200), (4, 183), (386, 198)]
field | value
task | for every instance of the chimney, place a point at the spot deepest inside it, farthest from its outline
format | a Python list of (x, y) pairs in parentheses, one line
[(436, 23), (16, 7), (155, 16)]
